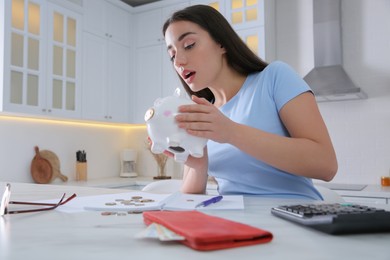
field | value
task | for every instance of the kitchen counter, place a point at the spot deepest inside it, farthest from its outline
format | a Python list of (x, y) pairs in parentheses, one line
[(112, 182), (135, 183), (374, 194)]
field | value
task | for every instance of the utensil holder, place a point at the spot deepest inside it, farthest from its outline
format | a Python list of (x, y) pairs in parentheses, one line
[(81, 171)]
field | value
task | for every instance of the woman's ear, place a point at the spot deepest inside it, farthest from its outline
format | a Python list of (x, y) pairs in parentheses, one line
[(223, 48)]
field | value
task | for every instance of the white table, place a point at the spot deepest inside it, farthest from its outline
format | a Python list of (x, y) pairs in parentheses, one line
[(88, 235)]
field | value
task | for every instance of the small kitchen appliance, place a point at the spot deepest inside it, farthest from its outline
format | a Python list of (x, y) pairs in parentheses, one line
[(128, 163)]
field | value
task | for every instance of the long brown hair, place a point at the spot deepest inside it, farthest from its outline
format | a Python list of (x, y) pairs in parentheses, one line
[(238, 54)]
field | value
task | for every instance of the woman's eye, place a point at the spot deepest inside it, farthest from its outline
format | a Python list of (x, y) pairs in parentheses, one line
[(190, 46)]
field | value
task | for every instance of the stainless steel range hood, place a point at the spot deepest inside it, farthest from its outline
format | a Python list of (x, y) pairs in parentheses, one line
[(328, 79)]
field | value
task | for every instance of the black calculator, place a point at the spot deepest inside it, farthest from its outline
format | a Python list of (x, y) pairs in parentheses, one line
[(336, 218)]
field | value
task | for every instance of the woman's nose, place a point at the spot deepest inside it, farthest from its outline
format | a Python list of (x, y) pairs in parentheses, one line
[(180, 59)]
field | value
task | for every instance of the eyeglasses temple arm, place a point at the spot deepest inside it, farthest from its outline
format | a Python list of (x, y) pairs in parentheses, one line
[(42, 209), (42, 204)]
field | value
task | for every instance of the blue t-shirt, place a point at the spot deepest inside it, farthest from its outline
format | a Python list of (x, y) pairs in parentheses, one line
[(257, 104)]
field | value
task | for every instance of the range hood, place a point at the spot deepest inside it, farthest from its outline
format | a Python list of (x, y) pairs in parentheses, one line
[(328, 79)]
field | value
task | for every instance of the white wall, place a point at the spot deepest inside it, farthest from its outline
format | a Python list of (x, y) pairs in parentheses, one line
[(19, 136), (360, 129), (102, 143)]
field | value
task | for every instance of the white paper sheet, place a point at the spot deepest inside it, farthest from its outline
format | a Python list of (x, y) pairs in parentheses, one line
[(175, 201)]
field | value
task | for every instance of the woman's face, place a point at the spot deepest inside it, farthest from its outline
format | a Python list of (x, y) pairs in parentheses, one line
[(197, 58)]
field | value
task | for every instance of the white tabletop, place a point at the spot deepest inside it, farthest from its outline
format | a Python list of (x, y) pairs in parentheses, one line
[(88, 235)]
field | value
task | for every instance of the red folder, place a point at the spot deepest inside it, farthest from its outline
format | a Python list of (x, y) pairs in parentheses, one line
[(204, 232)]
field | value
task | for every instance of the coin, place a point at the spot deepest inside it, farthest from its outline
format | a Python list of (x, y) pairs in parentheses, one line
[(136, 197), (128, 203), (110, 204), (107, 213), (135, 212), (146, 200)]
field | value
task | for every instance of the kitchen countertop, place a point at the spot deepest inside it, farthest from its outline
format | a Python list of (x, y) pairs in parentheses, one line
[(111, 182), (118, 182), (374, 191)]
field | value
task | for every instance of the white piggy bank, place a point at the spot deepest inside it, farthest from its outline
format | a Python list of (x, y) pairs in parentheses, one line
[(166, 135)]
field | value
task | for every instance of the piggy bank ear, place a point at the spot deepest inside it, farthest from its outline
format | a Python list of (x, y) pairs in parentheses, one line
[(178, 93), (157, 102)]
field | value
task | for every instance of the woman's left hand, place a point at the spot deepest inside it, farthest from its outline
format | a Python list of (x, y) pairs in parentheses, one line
[(205, 120)]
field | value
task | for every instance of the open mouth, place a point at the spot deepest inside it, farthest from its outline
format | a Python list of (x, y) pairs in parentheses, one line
[(188, 74)]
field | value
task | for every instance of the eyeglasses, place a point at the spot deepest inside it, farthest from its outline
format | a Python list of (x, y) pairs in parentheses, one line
[(5, 201)]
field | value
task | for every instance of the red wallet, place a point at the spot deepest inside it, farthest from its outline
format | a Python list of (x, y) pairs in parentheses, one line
[(204, 232)]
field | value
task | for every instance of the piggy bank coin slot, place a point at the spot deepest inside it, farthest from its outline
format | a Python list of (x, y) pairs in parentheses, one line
[(177, 149)]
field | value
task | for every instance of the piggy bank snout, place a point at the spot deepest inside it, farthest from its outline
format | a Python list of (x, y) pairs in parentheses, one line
[(149, 114)]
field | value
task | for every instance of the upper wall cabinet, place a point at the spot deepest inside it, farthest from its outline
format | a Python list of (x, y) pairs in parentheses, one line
[(41, 59), (243, 14), (247, 18), (107, 20)]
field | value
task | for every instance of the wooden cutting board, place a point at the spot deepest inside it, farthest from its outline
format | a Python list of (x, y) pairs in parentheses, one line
[(45, 167)]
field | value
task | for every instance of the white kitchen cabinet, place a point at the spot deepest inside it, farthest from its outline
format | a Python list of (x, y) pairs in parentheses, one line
[(149, 28), (246, 18), (106, 62), (106, 79), (149, 24), (41, 58), (64, 62), (255, 39), (155, 76), (243, 14), (107, 20)]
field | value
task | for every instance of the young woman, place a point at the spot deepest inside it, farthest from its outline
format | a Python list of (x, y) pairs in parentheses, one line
[(266, 134)]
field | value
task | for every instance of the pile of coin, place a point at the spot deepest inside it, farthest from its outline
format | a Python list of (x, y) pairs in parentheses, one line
[(137, 201)]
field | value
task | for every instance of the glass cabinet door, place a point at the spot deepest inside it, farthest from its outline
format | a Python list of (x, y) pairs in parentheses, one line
[(62, 84), (25, 78), (254, 39), (41, 57), (245, 13)]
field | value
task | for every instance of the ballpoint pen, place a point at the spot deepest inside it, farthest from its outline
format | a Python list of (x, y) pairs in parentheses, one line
[(209, 201)]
